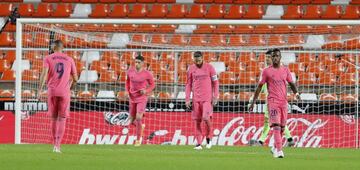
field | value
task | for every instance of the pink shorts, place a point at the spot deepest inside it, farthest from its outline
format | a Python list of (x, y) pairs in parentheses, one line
[(59, 106), (278, 113), (202, 110), (137, 108)]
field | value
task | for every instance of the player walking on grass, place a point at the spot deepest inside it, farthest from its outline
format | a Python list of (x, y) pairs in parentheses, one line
[(139, 83), (276, 77), (202, 81), (58, 69), (266, 129)]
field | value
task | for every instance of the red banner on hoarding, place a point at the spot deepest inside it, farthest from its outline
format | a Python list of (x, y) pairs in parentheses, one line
[(177, 128), (7, 127)]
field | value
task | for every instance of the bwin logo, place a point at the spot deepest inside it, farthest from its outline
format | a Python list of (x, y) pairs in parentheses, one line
[(120, 118)]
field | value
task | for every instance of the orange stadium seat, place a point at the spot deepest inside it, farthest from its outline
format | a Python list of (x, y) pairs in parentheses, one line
[(204, 1), (145, 1), (179, 39), (7, 39), (110, 57), (242, 1), (247, 57), (235, 66), (327, 79), (245, 96), (336, 68), (247, 78), (227, 57), (328, 97), (107, 76), (227, 77), (227, 96), (7, 95), (166, 1), (352, 44), (302, 29), (215, 11), (159, 39), (85, 96), (237, 40), (43, 10), (80, 66), (306, 78), (333, 42), (119, 11), (306, 57), (165, 28), (204, 29), (165, 95), (62, 10), (254, 12), (31, 75), (100, 11), (297, 67), (158, 11), (177, 11), (282, 29), (263, 29), (327, 59), (293, 12), (99, 66), (209, 56), (217, 40), (296, 39), (4, 65), (198, 40), (315, 67), (347, 79), (108, 1), (301, 2), (37, 64), (223, 1), (120, 67), (5, 9), (8, 75), (320, 1), (276, 40), (256, 40), (341, 29), (351, 12), (70, 1), (332, 12), (313, 12), (26, 10), (122, 96), (8, 55), (167, 77), (196, 11), (138, 11), (322, 29), (243, 29), (281, 2), (146, 28), (127, 1), (235, 12), (262, 1), (224, 29), (139, 38)]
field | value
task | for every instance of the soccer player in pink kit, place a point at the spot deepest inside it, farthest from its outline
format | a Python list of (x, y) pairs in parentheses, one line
[(203, 82), (58, 70), (277, 77), (139, 83)]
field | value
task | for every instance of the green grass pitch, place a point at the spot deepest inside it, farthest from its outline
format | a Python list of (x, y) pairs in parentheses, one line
[(154, 157)]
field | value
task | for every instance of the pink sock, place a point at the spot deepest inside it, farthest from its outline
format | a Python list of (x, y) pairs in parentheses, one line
[(53, 130), (208, 129), (138, 129), (61, 124), (277, 136), (198, 132)]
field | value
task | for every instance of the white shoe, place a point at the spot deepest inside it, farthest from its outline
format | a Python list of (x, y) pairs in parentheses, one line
[(280, 154), (56, 150), (208, 146), (277, 154), (198, 147)]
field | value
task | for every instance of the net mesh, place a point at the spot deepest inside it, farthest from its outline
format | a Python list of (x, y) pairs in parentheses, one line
[(322, 60)]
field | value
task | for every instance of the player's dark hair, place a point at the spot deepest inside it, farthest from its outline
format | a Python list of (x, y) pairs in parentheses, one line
[(269, 52), (198, 54), (139, 57), (275, 50)]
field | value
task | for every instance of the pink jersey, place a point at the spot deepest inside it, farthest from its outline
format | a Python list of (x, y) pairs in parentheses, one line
[(137, 81), (61, 67), (203, 82), (276, 79)]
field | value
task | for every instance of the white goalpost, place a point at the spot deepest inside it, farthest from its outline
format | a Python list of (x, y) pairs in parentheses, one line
[(323, 56)]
